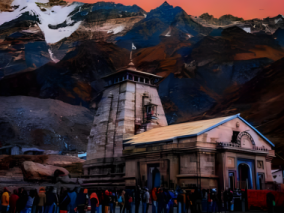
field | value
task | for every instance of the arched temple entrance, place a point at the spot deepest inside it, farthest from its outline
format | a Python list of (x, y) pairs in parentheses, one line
[(154, 176), (245, 176)]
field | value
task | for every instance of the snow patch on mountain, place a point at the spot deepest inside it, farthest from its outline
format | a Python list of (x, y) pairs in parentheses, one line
[(116, 30), (52, 57), (277, 20), (168, 34), (50, 16)]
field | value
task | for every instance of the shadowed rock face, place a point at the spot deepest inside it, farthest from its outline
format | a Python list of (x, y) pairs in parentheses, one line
[(47, 123)]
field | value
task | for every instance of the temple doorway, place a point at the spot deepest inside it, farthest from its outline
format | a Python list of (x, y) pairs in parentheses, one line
[(245, 176), (154, 176)]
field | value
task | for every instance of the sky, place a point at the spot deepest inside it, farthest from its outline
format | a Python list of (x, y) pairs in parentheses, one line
[(247, 9)]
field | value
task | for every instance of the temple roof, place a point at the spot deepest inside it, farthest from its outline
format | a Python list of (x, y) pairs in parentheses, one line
[(134, 70), (184, 130)]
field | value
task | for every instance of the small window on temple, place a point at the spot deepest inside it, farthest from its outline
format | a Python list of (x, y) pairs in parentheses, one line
[(130, 77), (109, 82), (135, 78), (118, 79), (147, 80), (235, 136), (142, 80)]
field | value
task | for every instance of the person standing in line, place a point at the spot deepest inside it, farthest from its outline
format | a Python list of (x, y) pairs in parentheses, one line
[(41, 200), (167, 200), (64, 201), (35, 203), (56, 193), (146, 200), (106, 201), (198, 199), (81, 201), (102, 201), (188, 200), (5, 200), (121, 201), (179, 200), (13, 201), (209, 200), (88, 204), (137, 199), (113, 201), (51, 200), (270, 202), (154, 200), (21, 203), (30, 201), (73, 196), (214, 198), (94, 202), (227, 198), (161, 201), (1, 192), (127, 203)]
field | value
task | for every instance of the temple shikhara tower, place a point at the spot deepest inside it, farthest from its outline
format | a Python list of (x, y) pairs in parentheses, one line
[(129, 105)]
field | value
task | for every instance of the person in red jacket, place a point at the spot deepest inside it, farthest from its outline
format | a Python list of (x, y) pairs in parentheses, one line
[(154, 200), (13, 201)]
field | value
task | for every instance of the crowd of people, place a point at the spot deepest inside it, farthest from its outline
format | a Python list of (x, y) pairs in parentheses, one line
[(79, 200)]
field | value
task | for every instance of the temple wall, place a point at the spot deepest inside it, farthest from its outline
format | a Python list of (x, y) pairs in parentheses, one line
[(174, 168), (188, 163), (207, 164), (102, 131), (268, 176)]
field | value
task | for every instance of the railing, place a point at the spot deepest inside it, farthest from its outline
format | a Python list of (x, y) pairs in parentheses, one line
[(222, 144), (236, 145)]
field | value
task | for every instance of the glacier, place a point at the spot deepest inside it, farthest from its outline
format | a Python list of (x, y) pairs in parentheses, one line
[(50, 16)]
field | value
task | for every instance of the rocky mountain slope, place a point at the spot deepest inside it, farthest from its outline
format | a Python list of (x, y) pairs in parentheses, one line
[(53, 55), (46, 123), (268, 25)]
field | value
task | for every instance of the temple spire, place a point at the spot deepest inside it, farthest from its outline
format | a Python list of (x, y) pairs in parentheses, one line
[(131, 64)]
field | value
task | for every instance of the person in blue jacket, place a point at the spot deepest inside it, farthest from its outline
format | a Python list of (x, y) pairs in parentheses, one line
[(73, 197)]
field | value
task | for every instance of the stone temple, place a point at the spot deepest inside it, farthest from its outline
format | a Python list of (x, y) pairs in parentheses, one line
[(131, 143), (129, 105)]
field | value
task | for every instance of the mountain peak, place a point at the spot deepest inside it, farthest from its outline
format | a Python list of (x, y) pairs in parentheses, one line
[(165, 4)]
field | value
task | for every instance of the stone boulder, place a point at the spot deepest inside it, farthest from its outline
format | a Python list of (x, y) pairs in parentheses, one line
[(37, 171)]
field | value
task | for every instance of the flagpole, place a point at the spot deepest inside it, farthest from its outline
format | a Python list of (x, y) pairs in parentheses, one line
[(131, 55)]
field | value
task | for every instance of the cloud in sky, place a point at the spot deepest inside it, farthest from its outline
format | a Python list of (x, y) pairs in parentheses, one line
[(247, 9)]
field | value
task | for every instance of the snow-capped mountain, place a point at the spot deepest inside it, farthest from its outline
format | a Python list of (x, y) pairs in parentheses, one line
[(46, 17)]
